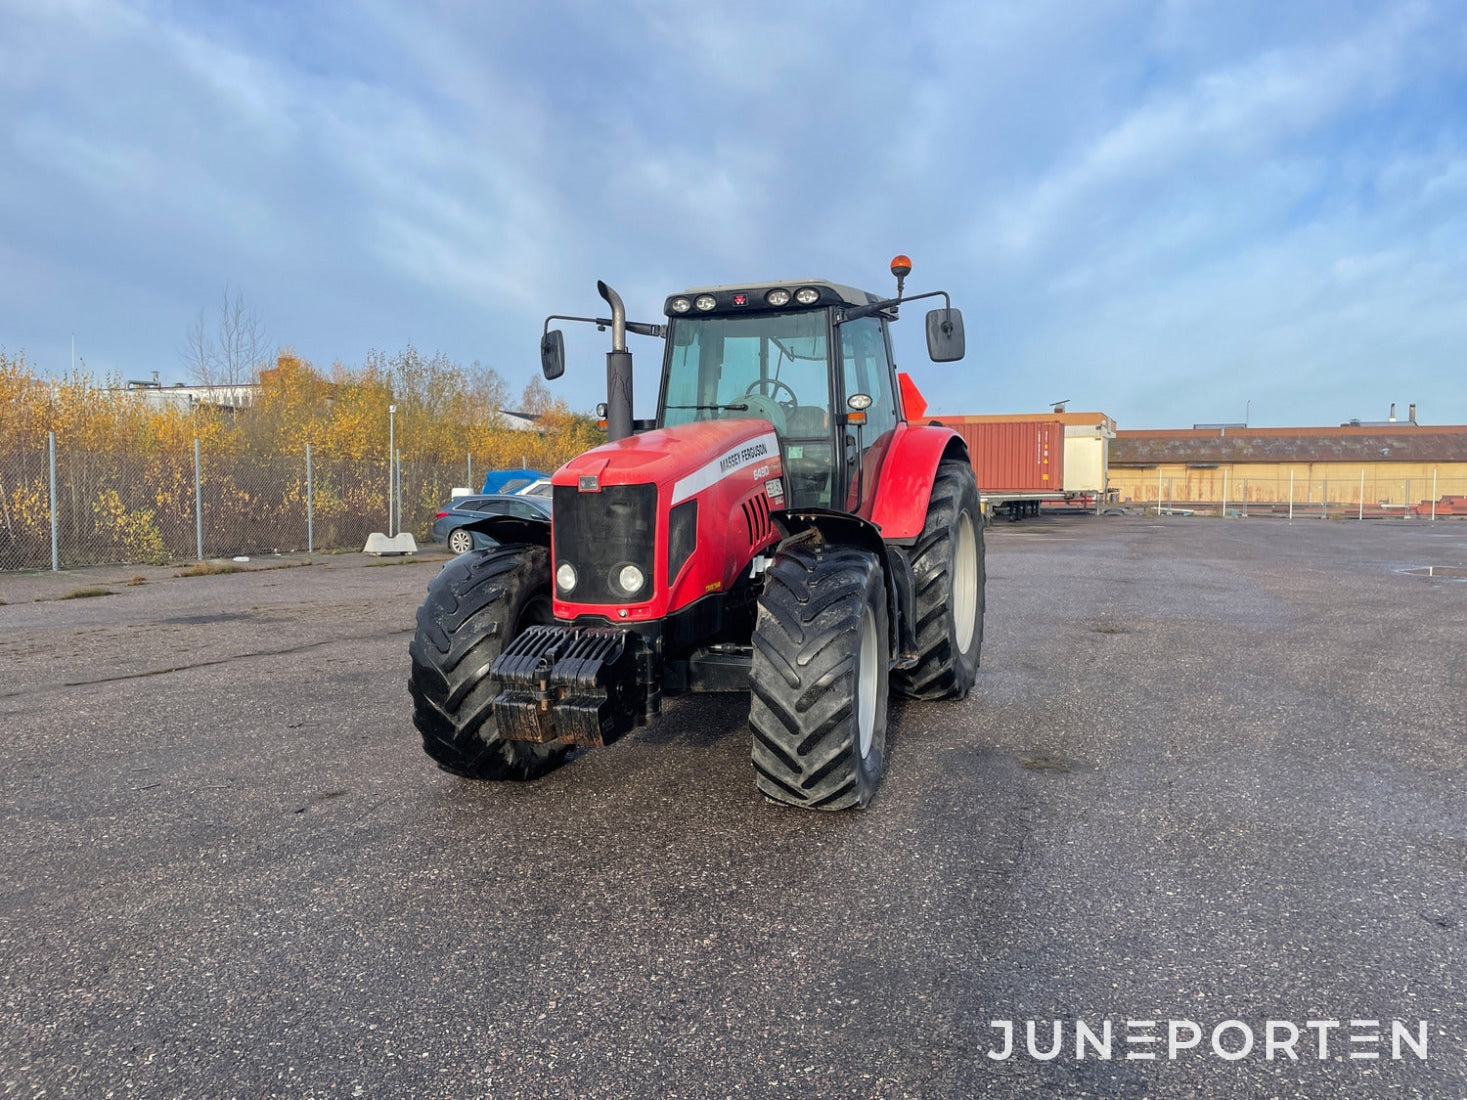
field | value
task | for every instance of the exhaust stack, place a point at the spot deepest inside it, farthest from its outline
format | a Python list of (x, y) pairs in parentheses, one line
[(618, 369)]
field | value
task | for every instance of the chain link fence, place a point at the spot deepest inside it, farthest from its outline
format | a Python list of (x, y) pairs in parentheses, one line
[(64, 508), (1369, 494)]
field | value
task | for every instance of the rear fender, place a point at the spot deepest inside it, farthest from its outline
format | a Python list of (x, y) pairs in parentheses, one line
[(905, 486), (843, 528), (512, 529)]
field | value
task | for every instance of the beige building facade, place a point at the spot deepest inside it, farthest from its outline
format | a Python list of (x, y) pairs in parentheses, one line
[(1368, 469)]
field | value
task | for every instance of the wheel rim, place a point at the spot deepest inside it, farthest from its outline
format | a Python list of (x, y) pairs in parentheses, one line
[(965, 582), (866, 684), (460, 543)]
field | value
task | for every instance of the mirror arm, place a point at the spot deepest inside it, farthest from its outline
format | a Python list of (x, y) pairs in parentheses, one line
[(876, 307), (641, 328)]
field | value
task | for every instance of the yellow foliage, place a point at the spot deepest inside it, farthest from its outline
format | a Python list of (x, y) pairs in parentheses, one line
[(131, 532), (445, 413)]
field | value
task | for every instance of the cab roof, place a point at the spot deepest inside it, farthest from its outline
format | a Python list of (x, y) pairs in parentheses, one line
[(830, 294)]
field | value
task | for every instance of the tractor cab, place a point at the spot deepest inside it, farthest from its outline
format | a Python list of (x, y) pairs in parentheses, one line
[(793, 354)]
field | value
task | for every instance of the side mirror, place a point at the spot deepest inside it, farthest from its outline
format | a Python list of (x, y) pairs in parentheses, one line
[(944, 335), (552, 353)]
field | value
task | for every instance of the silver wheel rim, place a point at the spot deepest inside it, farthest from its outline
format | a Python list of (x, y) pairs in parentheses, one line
[(460, 543), (965, 582), (866, 684)]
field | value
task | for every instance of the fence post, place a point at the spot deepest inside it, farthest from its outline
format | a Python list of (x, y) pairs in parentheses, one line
[(1406, 501), (198, 499), (1433, 494), (55, 545), (310, 507), (1362, 494), (470, 482), (397, 488), (1324, 500), (1291, 496), (1224, 513)]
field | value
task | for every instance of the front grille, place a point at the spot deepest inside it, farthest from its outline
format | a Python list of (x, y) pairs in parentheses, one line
[(599, 534)]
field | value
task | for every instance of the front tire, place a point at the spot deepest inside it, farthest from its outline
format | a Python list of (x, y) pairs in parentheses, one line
[(819, 678), (947, 563), (475, 606), (460, 541)]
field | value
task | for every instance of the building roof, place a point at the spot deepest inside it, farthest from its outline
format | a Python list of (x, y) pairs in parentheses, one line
[(1403, 442)]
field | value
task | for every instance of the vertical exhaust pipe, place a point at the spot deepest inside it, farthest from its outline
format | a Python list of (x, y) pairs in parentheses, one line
[(618, 369)]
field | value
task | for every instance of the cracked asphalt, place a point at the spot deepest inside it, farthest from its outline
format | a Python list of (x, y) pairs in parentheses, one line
[(1212, 771)]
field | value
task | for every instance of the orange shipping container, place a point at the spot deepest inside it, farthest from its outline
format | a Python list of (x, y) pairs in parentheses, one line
[(1025, 456)]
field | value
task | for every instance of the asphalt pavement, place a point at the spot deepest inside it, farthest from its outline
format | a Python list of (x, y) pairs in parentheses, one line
[(1214, 773)]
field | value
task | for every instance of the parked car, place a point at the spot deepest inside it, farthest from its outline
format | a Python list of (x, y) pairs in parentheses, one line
[(511, 481), (448, 524)]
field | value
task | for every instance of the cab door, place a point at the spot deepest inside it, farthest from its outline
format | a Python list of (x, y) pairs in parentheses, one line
[(865, 434)]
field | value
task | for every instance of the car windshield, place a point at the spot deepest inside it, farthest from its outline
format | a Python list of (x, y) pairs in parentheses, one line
[(722, 367)]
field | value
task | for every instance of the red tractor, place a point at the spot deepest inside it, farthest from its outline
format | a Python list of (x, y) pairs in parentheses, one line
[(781, 528)]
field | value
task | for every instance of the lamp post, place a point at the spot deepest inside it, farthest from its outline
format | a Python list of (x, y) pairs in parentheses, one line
[(391, 464)]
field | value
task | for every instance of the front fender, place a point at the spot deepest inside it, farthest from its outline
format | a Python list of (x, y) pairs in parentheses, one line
[(905, 485), (512, 529)]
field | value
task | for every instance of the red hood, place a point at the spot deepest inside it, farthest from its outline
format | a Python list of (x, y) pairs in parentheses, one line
[(685, 458)]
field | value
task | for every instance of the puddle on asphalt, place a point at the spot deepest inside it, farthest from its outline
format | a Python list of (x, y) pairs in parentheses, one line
[(1439, 572)]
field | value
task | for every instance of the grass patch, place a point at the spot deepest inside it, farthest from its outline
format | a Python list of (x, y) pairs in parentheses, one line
[(86, 593), (409, 560), (211, 569), (136, 581)]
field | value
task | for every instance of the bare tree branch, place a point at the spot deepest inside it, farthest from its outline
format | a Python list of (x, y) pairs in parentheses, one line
[(232, 351)]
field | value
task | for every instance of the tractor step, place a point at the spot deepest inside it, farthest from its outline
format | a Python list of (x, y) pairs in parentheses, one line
[(572, 684)]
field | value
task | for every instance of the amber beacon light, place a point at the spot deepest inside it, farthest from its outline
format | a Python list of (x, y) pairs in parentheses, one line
[(901, 267)]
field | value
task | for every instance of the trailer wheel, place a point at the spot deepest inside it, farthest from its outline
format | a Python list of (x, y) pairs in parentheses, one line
[(947, 563), (819, 678), (474, 607)]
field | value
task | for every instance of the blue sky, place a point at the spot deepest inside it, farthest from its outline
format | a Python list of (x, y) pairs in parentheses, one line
[(1169, 211)]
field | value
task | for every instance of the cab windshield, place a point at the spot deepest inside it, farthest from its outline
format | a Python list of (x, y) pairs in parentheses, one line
[(773, 366), (718, 363)]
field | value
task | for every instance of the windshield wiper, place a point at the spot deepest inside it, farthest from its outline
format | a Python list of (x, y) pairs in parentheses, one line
[(716, 408)]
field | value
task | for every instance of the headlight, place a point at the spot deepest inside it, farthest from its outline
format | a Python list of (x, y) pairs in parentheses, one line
[(778, 297), (628, 578), (565, 577), (807, 295), (705, 302), (681, 305)]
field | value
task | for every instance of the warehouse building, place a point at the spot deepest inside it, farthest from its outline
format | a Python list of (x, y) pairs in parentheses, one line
[(1358, 469)]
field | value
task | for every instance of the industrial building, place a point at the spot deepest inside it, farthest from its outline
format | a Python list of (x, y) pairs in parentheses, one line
[(1357, 469)]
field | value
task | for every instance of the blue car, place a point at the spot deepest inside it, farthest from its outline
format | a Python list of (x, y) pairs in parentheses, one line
[(448, 524)]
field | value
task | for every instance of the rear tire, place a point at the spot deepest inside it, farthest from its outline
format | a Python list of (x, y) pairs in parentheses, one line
[(819, 678), (460, 541), (947, 563), (475, 606)]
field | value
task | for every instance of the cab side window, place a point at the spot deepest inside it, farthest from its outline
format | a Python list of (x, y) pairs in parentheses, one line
[(866, 368)]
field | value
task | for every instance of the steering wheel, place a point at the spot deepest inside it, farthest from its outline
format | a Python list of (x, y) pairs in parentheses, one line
[(765, 408), (770, 387)]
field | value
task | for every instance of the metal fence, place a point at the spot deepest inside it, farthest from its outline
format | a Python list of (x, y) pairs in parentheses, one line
[(1367, 495), (62, 508)]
